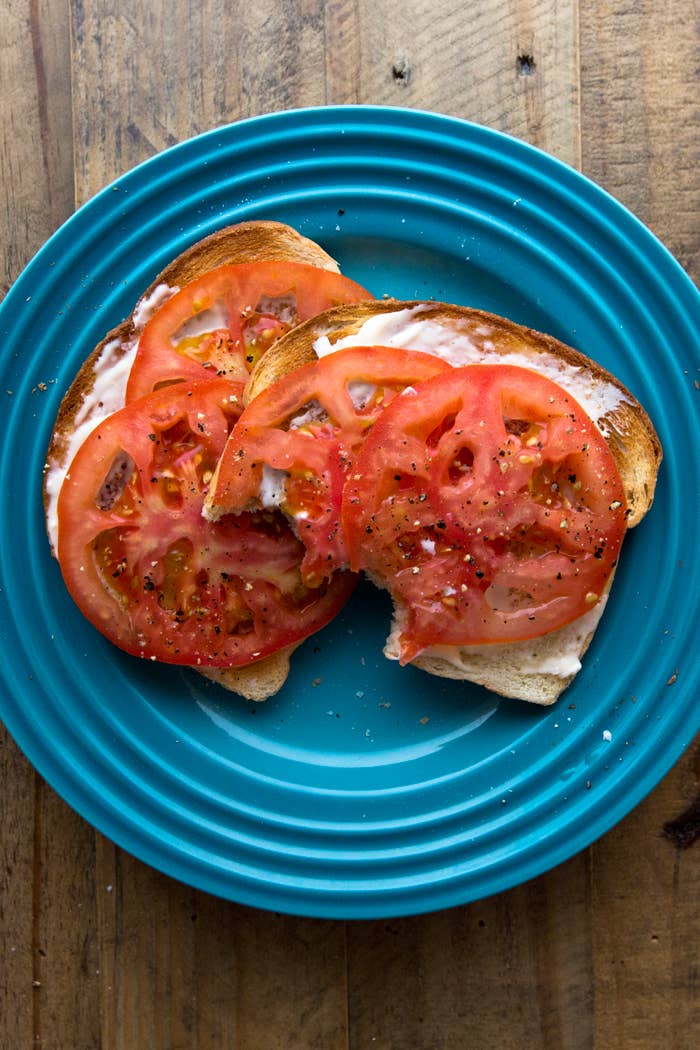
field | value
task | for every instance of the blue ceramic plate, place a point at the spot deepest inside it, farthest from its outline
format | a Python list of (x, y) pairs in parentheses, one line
[(361, 789)]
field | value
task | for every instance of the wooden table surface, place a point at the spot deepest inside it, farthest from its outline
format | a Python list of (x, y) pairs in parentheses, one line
[(98, 950)]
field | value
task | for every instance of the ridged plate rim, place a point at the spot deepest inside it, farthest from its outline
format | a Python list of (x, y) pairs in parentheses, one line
[(362, 882)]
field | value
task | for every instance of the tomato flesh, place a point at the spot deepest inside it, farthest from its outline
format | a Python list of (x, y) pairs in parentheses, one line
[(295, 443), (225, 320), (490, 505), (149, 571)]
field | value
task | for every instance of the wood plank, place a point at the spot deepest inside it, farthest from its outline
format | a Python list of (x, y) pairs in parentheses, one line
[(179, 968), (290, 980), (512, 66), (645, 917), (147, 958), (17, 952), (45, 849), (147, 76), (512, 971), (36, 166), (65, 925), (640, 105), (47, 915)]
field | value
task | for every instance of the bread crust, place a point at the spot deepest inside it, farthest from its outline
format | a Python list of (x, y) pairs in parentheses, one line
[(256, 681), (626, 427), (244, 242)]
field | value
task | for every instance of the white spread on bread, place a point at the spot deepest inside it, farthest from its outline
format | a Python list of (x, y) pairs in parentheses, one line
[(402, 328), (314, 412), (273, 491), (149, 304), (272, 487), (557, 653), (360, 393), (407, 330), (215, 316), (105, 397)]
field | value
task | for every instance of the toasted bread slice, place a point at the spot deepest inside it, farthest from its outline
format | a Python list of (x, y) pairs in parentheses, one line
[(539, 670), (98, 389), (257, 681)]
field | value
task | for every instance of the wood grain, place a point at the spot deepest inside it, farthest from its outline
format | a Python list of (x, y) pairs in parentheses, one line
[(36, 153), (510, 65), (513, 66), (640, 118), (646, 978), (230, 976), (639, 121), (512, 971), (17, 952), (48, 940), (97, 949)]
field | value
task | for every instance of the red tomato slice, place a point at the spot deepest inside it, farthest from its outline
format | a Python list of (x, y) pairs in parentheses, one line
[(490, 505), (226, 319), (149, 571), (295, 443)]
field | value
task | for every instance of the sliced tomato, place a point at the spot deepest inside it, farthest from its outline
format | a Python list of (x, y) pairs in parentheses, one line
[(490, 505), (149, 571), (294, 445), (226, 319)]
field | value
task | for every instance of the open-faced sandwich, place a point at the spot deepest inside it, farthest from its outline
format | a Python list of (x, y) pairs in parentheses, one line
[(482, 472), (261, 430), (137, 439)]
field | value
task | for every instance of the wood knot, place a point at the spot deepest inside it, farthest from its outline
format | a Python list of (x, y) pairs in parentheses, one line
[(684, 831), (526, 65), (401, 71)]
